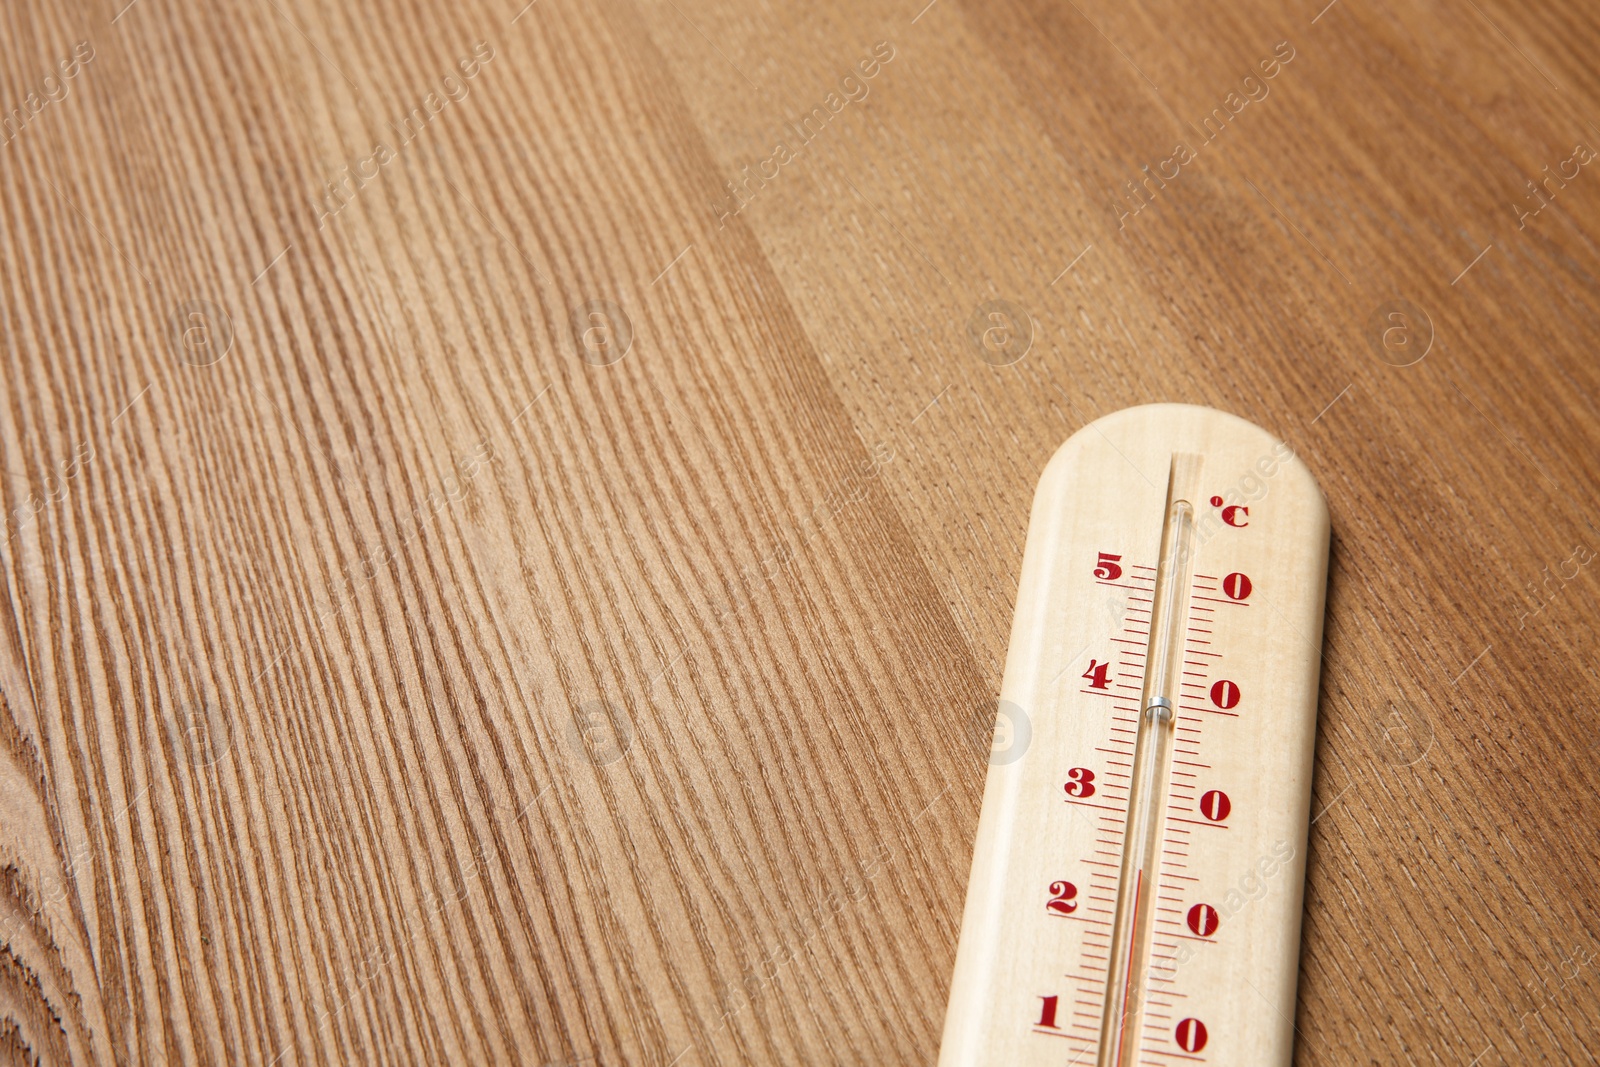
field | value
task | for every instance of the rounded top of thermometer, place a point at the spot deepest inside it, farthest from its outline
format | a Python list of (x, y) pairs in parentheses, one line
[(1245, 465)]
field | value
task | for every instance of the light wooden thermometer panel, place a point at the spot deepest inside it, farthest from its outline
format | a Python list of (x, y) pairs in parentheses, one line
[(1136, 887)]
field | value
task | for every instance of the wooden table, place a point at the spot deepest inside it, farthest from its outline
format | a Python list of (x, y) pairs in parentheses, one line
[(513, 513)]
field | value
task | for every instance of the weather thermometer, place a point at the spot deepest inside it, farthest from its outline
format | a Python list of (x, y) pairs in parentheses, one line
[(1136, 886)]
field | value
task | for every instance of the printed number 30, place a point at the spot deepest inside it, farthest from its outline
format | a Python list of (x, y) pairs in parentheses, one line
[(1107, 568), (1080, 782)]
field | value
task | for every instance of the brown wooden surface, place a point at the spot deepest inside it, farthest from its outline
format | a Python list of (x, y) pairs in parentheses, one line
[(400, 686)]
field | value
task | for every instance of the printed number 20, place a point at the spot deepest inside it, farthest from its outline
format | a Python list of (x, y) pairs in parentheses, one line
[(1063, 898)]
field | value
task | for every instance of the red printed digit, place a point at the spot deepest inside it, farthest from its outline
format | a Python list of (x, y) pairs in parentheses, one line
[(1097, 674), (1190, 1035), (1236, 586), (1047, 1015), (1225, 695), (1063, 898), (1203, 920), (1106, 569), (1080, 782), (1215, 805)]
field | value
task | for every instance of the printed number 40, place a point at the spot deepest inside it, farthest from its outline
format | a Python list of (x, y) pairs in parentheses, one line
[(1097, 675)]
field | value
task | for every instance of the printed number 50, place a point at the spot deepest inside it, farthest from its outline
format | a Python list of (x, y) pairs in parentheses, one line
[(1107, 568)]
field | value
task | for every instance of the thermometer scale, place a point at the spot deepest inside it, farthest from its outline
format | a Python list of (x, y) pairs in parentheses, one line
[(1136, 885)]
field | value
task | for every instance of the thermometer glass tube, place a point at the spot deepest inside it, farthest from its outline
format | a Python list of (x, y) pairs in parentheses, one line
[(1129, 962)]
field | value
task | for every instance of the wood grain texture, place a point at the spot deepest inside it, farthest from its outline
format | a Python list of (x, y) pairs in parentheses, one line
[(392, 674)]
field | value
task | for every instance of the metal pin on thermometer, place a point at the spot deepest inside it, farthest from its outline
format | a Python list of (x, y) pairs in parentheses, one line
[(1136, 885)]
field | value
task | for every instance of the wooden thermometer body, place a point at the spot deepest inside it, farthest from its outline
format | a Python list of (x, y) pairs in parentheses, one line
[(1136, 887)]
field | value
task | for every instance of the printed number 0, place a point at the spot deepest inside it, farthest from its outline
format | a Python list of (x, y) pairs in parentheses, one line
[(1106, 568), (1237, 586), (1215, 805), (1080, 782), (1190, 1035)]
